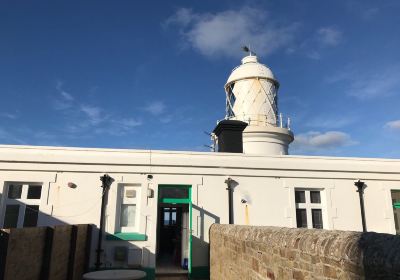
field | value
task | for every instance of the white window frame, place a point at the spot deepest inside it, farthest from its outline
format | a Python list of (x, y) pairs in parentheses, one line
[(22, 202), (124, 200), (309, 206)]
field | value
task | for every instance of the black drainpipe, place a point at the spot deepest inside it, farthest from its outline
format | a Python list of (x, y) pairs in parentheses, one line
[(360, 189), (229, 188), (106, 183)]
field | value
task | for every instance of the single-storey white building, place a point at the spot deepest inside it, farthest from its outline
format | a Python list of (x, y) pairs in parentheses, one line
[(162, 203)]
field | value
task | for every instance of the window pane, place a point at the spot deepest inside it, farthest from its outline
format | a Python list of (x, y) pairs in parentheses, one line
[(300, 196), (173, 218), (315, 196), (31, 215), (174, 193), (301, 217), (166, 217), (128, 215), (317, 218), (14, 191), (34, 191), (11, 216)]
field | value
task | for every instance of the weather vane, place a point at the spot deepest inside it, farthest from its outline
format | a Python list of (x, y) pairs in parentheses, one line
[(248, 49)]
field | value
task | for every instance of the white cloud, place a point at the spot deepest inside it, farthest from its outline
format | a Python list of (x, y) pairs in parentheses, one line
[(378, 84), (129, 123), (394, 125), (368, 83), (63, 93), (225, 32), (331, 122), (317, 141), (313, 54), (9, 116), (369, 13), (64, 100), (93, 113), (6, 136), (156, 108), (329, 36)]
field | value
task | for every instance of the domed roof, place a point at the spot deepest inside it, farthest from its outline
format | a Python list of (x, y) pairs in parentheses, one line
[(251, 68)]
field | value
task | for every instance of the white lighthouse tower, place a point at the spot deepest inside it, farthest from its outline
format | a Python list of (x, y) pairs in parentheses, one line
[(252, 97)]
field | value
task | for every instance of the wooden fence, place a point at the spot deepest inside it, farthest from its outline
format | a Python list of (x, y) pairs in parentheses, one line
[(42, 253)]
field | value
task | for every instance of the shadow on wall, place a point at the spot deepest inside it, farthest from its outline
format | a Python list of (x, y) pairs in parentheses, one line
[(239, 252), (201, 247), (380, 255)]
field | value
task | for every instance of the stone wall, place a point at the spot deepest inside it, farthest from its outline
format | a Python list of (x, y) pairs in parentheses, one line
[(249, 252), (40, 253)]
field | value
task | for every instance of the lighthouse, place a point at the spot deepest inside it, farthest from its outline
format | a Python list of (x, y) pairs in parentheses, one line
[(252, 98)]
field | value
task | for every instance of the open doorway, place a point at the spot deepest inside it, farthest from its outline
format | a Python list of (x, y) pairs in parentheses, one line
[(396, 209), (173, 230)]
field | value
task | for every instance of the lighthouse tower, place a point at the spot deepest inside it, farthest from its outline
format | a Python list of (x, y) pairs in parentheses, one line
[(252, 97)]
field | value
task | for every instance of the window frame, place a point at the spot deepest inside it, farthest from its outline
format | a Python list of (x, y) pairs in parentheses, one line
[(23, 201), (131, 201), (308, 206)]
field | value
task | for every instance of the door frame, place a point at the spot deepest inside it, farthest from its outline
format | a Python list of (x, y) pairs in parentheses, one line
[(187, 201)]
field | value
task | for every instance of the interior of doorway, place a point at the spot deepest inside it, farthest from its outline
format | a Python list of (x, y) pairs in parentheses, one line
[(173, 239)]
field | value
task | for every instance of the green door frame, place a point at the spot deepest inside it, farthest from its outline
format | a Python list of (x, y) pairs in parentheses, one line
[(181, 201)]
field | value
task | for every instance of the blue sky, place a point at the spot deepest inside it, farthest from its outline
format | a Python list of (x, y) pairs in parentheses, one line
[(150, 74)]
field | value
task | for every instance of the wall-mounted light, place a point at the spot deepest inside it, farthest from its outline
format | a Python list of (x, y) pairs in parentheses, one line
[(72, 185)]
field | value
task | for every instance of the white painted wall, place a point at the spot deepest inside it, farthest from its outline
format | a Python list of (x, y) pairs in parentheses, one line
[(266, 182)]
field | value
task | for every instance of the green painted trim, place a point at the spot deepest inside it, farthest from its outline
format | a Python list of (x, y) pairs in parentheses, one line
[(127, 236), (396, 205), (190, 231), (151, 273), (200, 272), (175, 200)]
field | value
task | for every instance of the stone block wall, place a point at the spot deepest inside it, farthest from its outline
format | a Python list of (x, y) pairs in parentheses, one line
[(250, 252), (41, 253)]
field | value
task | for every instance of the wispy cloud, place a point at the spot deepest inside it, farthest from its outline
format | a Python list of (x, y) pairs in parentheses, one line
[(93, 113), (10, 116), (156, 108), (329, 36), (331, 122), (221, 34), (83, 118), (313, 54), (314, 45), (63, 100), (369, 13), (393, 125), (367, 84), (8, 137), (318, 141)]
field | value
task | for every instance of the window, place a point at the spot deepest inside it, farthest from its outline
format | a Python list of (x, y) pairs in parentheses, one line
[(174, 192), (129, 198), (309, 211), (22, 203), (169, 216)]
